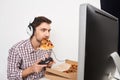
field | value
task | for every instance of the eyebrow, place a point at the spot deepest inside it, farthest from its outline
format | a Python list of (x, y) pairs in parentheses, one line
[(45, 29)]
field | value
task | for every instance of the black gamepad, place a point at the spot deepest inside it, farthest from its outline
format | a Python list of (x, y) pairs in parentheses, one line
[(46, 61)]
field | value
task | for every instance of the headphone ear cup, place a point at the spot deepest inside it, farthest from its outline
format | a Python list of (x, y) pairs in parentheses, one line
[(30, 31)]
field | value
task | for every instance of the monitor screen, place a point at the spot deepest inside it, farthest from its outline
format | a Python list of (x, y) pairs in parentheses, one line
[(98, 38)]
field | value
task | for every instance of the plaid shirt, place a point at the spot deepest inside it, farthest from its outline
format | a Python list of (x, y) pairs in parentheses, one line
[(21, 56)]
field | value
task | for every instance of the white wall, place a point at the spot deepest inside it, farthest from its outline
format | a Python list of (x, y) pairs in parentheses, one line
[(16, 14)]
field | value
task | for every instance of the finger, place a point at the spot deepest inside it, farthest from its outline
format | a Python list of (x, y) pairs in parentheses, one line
[(52, 62), (43, 65)]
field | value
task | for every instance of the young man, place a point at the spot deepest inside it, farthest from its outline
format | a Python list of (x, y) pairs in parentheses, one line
[(24, 56)]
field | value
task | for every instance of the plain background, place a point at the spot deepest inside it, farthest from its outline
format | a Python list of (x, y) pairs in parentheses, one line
[(15, 16)]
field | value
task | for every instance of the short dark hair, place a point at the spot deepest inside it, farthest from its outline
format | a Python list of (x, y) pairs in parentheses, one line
[(37, 21)]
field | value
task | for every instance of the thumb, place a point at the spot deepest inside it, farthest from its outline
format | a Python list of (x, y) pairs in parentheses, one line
[(43, 65)]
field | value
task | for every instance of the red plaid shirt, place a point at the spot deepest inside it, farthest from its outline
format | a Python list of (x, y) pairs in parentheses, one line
[(21, 56)]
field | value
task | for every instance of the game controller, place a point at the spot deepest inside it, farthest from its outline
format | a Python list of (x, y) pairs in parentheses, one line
[(46, 61)]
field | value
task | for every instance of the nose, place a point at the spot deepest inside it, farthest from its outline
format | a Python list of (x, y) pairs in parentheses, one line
[(47, 34)]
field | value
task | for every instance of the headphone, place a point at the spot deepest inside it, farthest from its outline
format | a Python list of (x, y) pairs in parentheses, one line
[(30, 28)]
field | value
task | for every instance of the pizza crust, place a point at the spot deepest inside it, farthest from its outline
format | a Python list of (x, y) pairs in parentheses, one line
[(62, 67), (66, 67)]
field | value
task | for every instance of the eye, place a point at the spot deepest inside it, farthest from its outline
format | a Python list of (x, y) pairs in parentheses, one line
[(49, 30), (43, 30)]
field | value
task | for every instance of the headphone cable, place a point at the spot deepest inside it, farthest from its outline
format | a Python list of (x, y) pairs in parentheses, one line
[(56, 57)]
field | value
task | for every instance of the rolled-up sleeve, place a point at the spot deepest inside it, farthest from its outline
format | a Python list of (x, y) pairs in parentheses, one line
[(13, 66)]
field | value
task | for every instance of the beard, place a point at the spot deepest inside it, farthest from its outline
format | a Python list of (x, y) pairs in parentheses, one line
[(39, 41)]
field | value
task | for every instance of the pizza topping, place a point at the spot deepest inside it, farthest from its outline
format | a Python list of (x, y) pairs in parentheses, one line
[(46, 44), (73, 68)]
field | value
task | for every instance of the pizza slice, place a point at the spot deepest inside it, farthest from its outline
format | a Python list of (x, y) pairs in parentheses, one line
[(46, 44)]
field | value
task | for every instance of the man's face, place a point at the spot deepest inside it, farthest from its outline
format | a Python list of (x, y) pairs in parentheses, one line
[(42, 31)]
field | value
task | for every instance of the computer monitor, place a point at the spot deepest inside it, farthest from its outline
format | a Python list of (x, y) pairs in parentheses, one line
[(98, 38)]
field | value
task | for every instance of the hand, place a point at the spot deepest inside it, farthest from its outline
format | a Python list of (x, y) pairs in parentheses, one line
[(37, 67), (50, 64)]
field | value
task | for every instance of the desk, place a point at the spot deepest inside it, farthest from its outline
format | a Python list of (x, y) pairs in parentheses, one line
[(44, 78)]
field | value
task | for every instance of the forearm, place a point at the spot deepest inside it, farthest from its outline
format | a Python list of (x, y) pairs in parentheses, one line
[(13, 70), (27, 72)]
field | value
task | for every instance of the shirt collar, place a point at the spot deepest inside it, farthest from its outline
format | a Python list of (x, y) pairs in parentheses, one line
[(30, 47)]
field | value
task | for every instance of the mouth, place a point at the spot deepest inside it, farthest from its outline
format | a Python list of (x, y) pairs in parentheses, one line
[(46, 44)]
